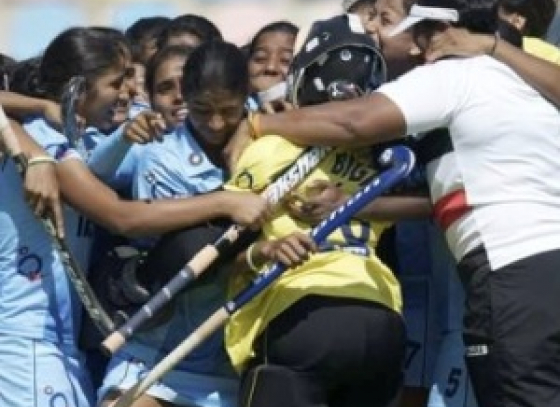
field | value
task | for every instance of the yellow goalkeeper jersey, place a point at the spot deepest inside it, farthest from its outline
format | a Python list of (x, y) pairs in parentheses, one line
[(337, 272), (542, 49)]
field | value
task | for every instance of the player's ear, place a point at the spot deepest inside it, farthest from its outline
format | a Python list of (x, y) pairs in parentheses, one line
[(517, 20), (414, 51)]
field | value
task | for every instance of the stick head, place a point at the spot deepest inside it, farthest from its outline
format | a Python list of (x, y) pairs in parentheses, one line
[(398, 156), (74, 89)]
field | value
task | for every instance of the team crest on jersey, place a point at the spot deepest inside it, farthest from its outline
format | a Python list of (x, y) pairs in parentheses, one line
[(195, 159), (150, 177), (244, 180), (29, 265)]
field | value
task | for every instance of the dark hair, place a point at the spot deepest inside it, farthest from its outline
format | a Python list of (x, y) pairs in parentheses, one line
[(110, 32), (25, 77), (538, 13), (479, 16), (143, 30), (7, 66), (355, 4), (407, 5), (277, 26), (77, 51), (113, 34), (196, 25), (160, 57), (216, 65)]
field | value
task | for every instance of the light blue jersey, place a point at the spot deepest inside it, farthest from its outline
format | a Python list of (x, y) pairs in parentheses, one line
[(178, 167), (110, 157), (37, 300), (175, 167)]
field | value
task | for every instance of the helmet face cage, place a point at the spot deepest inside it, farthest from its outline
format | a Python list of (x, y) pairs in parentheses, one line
[(343, 90), (335, 63)]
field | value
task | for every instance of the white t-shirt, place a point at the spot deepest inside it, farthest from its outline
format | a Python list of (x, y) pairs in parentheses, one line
[(506, 139)]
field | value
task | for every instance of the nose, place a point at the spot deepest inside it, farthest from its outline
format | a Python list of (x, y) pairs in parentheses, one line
[(178, 97), (373, 28), (127, 87), (216, 122), (178, 94), (273, 66)]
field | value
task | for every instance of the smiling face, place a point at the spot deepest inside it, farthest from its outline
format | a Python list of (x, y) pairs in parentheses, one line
[(104, 98), (124, 100), (400, 52), (215, 115), (270, 60), (166, 95)]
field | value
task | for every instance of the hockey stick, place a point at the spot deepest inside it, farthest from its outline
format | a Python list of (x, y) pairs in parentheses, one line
[(275, 192), (73, 270), (402, 162)]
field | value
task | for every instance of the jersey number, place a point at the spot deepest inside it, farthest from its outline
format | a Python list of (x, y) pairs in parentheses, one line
[(453, 382)]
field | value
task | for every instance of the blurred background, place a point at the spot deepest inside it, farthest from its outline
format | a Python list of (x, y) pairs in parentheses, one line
[(26, 26)]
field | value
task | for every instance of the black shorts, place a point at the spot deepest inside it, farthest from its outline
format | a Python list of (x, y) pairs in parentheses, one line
[(326, 351), (512, 330)]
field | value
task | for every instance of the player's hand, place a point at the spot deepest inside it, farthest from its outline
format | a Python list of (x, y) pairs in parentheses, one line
[(247, 209), (145, 128), (42, 194), (238, 142), (457, 42), (320, 199), (292, 250)]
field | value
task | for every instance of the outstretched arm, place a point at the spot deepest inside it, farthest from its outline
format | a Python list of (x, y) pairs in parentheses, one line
[(358, 122), (81, 189), (539, 73), (20, 106), (328, 196)]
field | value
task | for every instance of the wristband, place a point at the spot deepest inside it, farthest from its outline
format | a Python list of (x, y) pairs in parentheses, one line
[(249, 258), (43, 159)]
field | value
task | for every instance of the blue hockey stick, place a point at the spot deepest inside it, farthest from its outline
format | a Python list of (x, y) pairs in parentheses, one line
[(308, 160), (402, 162)]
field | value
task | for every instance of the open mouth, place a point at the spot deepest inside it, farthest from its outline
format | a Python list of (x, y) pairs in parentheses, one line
[(180, 114), (121, 107)]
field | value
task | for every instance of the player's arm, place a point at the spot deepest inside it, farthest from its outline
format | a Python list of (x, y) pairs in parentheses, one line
[(395, 208), (539, 73), (20, 106), (41, 184), (328, 197), (81, 189), (358, 122), (108, 154)]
